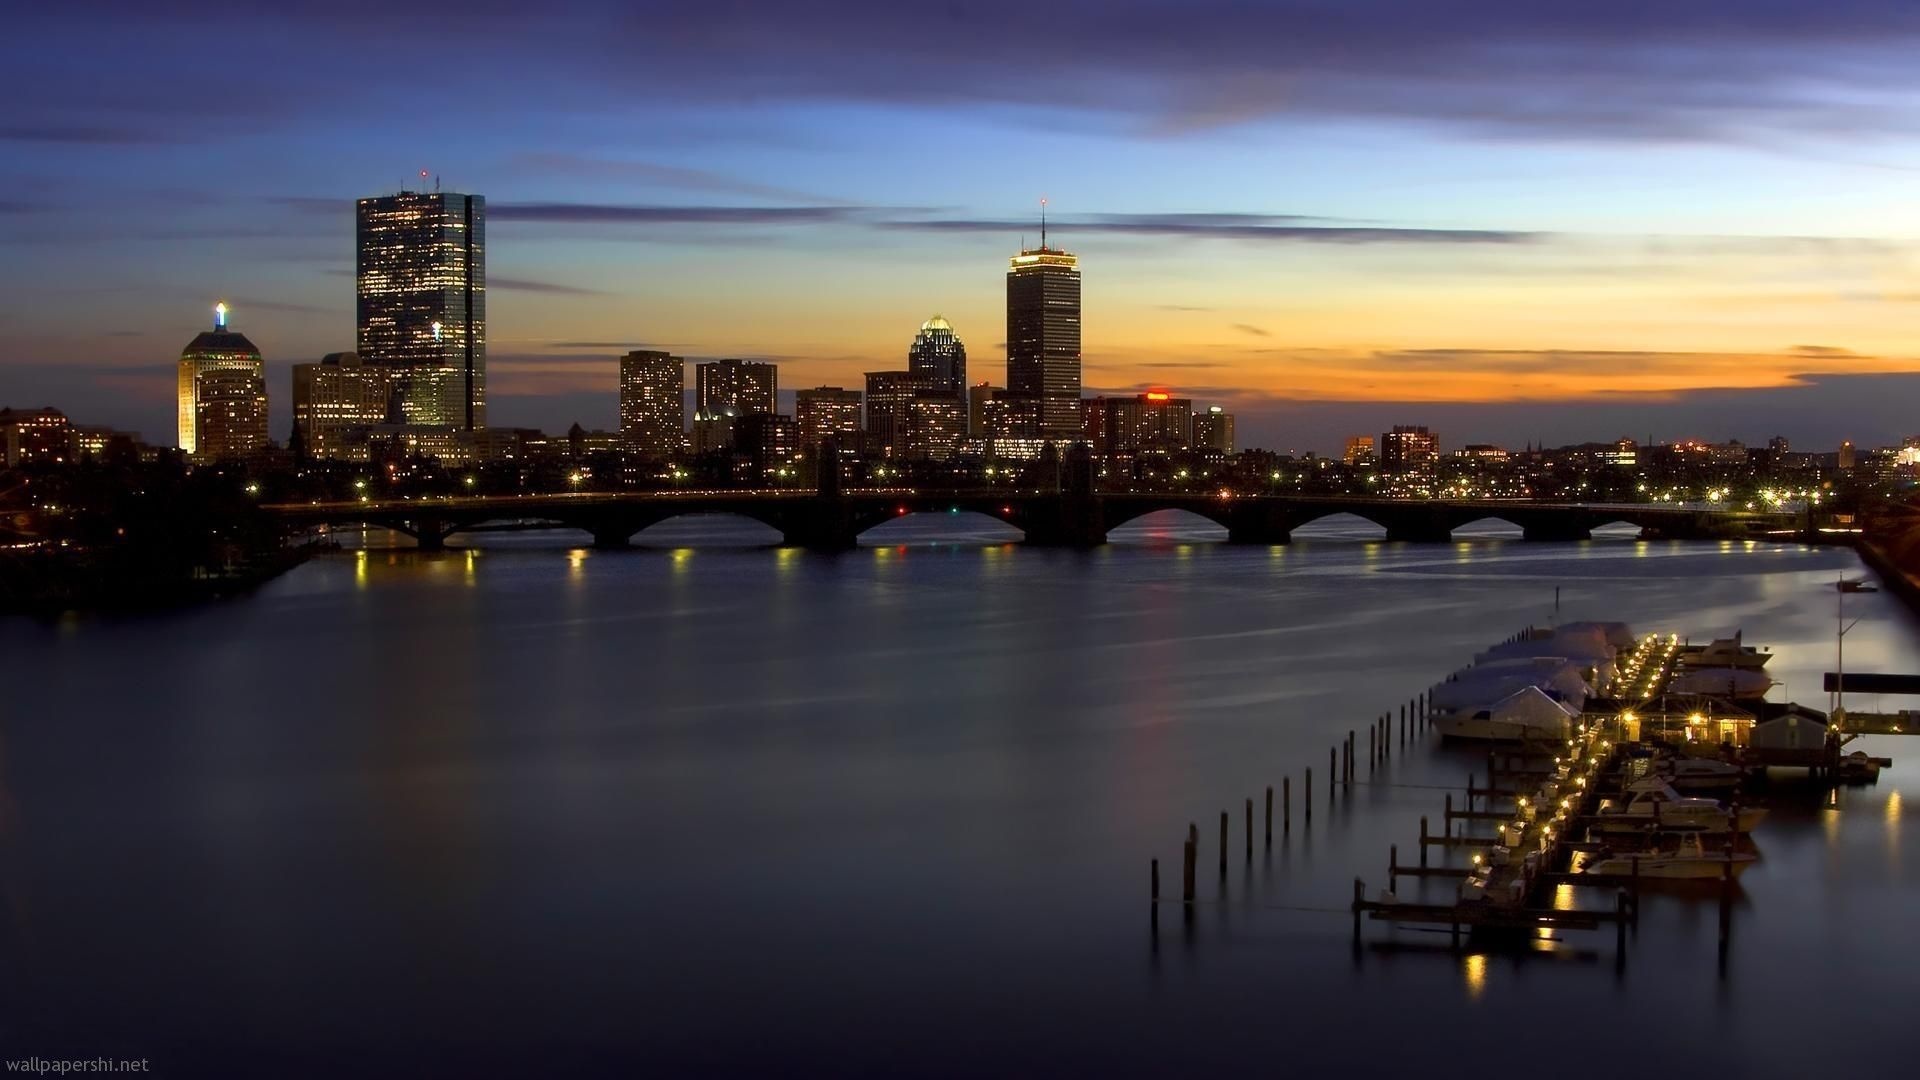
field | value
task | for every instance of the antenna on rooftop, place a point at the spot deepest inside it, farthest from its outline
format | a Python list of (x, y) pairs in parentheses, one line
[(1043, 223)]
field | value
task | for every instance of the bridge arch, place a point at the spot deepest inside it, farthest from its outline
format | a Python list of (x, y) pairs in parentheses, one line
[(955, 523), (711, 528), (1119, 514), (1144, 522), (1489, 526), (1334, 521)]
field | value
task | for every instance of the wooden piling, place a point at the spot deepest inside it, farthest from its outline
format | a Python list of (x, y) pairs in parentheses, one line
[(1286, 804), (1373, 749), (1620, 925), (1726, 905), (1223, 845), (1423, 841), (1269, 815), (1359, 897), (1186, 870), (1249, 829), (1306, 798), (1333, 769), (1156, 893), (1393, 867)]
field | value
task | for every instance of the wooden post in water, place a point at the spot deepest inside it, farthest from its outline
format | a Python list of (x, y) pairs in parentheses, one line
[(1393, 867), (1186, 869), (1620, 926), (1726, 904), (1306, 798), (1223, 845), (1249, 829), (1373, 749), (1286, 804), (1359, 895), (1423, 841), (1269, 815), (1156, 894), (1333, 769)]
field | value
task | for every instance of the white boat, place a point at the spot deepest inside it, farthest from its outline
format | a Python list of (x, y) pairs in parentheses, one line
[(1857, 767), (1525, 715), (1688, 861), (1700, 774), (1656, 805), (1723, 653)]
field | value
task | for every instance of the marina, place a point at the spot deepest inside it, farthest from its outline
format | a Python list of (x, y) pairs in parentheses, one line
[(1616, 763)]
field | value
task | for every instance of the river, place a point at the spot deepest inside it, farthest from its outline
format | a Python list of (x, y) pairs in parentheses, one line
[(728, 808)]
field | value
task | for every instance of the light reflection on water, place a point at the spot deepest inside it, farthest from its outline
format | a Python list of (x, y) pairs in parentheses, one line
[(734, 806)]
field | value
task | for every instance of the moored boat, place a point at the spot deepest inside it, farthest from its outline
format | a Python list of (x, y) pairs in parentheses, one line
[(1655, 805), (1688, 861)]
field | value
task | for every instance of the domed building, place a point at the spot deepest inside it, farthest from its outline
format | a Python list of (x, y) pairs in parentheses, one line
[(222, 394), (937, 359)]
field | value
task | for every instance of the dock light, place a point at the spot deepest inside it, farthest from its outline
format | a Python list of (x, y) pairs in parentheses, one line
[(1476, 860)]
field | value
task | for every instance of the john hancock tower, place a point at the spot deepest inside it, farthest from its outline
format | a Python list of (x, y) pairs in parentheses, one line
[(421, 289)]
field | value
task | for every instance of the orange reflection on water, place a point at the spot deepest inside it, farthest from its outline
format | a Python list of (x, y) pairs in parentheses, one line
[(1475, 969)]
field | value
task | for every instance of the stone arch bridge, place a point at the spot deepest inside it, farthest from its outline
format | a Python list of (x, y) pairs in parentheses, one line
[(834, 521)]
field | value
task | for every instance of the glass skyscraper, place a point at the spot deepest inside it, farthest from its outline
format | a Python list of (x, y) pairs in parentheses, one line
[(1043, 338), (421, 289)]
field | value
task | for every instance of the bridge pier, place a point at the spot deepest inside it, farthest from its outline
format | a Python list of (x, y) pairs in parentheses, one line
[(1250, 522), (1065, 521), (612, 537), (822, 524), (1565, 532), (429, 534)]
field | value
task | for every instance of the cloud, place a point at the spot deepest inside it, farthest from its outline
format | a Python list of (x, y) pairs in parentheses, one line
[(78, 134), (1249, 329), (495, 281), (1226, 226), (657, 175), (625, 214)]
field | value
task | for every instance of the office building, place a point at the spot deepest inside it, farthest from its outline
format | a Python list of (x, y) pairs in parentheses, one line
[(713, 429), (890, 409), (653, 389), (1155, 421), (1043, 338), (420, 282), (938, 359), (827, 412), (221, 352), (771, 444), (30, 436), (748, 386), (1213, 430), (334, 403), (1359, 450), (230, 414), (977, 397)]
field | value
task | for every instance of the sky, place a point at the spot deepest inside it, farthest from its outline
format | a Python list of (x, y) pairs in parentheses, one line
[(1511, 221)]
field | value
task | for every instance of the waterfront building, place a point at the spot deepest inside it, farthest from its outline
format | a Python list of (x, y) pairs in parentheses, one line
[(209, 353), (653, 390), (771, 444), (826, 412), (937, 426), (747, 386), (1011, 422), (1359, 450), (1043, 338), (1155, 421), (1213, 430), (336, 400), (938, 359), (420, 283), (1408, 449), (29, 436)]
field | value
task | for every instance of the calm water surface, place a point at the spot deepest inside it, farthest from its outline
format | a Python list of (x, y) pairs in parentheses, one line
[(728, 808)]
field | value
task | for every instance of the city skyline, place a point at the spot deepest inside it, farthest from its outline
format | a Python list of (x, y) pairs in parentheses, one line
[(1323, 241)]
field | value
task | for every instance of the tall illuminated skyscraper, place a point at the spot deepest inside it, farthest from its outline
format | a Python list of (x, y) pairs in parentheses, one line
[(1043, 336), (653, 387), (420, 280), (222, 394), (938, 359)]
